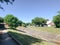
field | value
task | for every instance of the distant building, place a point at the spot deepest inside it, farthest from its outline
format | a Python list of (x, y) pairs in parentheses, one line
[(6, 25), (50, 23)]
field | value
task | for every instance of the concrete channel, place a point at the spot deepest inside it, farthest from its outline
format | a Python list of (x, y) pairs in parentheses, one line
[(5, 39)]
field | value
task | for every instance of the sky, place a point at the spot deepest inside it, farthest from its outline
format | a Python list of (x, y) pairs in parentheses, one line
[(26, 10)]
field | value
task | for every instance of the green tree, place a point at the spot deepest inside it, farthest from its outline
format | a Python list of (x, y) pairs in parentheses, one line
[(20, 23), (27, 24), (38, 21), (56, 20), (6, 1), (1, 20), (24, 24), (11, 21), (1, 23)]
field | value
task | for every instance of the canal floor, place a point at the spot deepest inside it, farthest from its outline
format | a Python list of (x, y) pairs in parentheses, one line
[(5, 39)]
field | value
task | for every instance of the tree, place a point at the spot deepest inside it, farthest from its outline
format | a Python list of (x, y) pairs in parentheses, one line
[(1, 23), (11, 21), (56, 20), (39, 21), (24, 24), (27, 24), (20, 23), (6, 1), (1, 20)]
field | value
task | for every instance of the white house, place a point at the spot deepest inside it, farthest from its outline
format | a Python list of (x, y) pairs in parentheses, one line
[(50, 23)]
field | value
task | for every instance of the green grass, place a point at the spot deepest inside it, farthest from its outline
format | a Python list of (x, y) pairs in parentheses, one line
[(46, 29), (28, 40)]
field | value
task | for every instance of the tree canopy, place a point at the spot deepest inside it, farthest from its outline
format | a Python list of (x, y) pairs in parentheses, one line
[(1, 20), (11, 21), (56, 20), (6, 1), (20, 23), (38, 21)]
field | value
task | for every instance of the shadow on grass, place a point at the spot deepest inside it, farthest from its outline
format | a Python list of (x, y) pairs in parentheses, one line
[(16, 29), (25, 39)]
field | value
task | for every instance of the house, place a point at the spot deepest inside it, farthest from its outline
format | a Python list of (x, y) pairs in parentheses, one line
[(50, 23)]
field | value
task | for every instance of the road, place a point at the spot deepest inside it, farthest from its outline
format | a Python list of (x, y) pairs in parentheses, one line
[(5, 39)]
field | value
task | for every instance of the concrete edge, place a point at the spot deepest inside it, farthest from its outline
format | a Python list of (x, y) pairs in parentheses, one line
[(15, 39)]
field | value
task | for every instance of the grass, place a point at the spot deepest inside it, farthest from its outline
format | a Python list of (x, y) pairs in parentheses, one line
[(28, 40), (46, 29)]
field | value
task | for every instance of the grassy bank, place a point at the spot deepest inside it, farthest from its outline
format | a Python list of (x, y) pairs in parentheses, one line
[(43, 29), (46, 29), (28, 40)]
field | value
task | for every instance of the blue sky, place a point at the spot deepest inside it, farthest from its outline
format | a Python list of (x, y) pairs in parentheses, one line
[(26, 10)]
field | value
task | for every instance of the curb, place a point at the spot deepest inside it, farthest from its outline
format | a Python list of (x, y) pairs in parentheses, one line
[(15, 39)]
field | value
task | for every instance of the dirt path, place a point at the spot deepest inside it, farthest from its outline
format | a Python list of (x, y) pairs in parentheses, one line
[(5, 39)]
